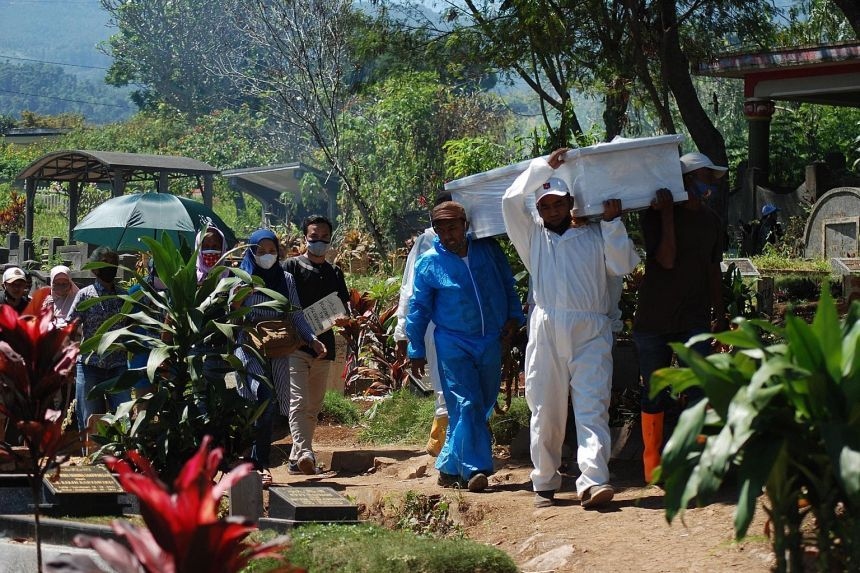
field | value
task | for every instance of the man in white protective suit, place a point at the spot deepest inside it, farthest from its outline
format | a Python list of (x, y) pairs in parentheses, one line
[(569, 352)]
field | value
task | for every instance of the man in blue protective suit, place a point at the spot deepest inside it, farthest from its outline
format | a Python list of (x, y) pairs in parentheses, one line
[(465, 287)]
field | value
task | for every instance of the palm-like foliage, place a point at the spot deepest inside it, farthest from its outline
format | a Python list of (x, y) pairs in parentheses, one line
[(783, 417), (189, 331)]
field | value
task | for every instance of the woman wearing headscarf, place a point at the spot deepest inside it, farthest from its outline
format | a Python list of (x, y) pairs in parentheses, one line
[(63, 291), (211, 248), (261, 260), (211, 245)]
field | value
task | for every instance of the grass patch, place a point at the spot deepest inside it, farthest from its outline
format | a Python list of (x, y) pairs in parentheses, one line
[(506, 425), (403, 418), (773, 261), (373, 549), (338, 409)]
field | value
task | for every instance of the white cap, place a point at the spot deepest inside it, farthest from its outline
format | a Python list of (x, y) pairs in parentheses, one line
[(693, 161), (13, 274), (553, 186)]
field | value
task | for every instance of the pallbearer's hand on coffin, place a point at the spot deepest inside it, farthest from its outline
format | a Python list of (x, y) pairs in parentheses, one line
[(556, 158), (663, 200)]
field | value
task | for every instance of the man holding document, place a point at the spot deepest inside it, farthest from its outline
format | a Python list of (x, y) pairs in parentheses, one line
[(315, 278)]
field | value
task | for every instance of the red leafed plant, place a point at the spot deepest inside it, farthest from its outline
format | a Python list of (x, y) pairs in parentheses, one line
[(370, 344), (36, 360), (183, 531)]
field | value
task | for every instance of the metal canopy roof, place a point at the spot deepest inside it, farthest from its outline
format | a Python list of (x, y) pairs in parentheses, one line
[(278, 187), (824, 74), (270, 181), (102, 166)]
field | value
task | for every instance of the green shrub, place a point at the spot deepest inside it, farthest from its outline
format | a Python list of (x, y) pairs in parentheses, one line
[(783, 418), (403, 418), (505, 426), (370, 548), (338, 409), (797, 287)]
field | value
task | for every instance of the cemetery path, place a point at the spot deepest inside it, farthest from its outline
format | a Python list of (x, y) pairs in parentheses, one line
[(630, 535)]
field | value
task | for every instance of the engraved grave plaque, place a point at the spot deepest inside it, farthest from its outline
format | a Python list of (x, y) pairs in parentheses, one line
[(310, 504)]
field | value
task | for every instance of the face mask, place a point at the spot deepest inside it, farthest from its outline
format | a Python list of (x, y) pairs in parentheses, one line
[(107, 274), (210, 258), (701, 189), (318, 248), (265, 261)]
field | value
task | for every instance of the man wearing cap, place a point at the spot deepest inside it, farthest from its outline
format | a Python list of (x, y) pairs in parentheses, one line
[(569, 352), (15, 289), (681, 294), (465, 286), (422, 244)]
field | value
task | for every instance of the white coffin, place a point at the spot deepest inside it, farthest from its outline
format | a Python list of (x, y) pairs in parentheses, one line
[(627, 169)]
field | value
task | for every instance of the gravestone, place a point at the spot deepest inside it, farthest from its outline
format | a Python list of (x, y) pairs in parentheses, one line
[(851, 288), (745, 266), (845, 266), (246, 497), (764, 295), (310, 504), (84, 490), (420, 386)]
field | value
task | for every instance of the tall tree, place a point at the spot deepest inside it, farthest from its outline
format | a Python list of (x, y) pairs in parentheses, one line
[(167, 48), (299, 66)]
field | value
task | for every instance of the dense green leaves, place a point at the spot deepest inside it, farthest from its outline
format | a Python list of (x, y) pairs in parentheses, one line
[(188, 333), (783, 417)]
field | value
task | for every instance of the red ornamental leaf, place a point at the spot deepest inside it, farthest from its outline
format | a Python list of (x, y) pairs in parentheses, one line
[(150, 554), (217, 546), (184, 530), (156, 508), (115, 554)]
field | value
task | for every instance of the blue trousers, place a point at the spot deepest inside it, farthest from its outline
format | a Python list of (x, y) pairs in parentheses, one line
[(470, 372), (87, 378), (654, 354)]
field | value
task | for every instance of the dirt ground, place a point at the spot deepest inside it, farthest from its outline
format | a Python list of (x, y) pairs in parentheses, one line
[(630, 535)]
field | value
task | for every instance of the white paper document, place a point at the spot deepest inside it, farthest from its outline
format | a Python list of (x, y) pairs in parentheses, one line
[(322, 314)]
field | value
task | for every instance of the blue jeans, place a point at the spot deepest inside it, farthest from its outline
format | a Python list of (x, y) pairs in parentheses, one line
[(654, 354), (88, 377)]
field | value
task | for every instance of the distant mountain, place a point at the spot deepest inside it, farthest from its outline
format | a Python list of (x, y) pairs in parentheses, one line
[(55, 41)]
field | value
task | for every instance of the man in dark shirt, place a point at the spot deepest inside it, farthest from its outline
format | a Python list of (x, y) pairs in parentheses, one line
[(15, 290), (680, 295), (315, 279)]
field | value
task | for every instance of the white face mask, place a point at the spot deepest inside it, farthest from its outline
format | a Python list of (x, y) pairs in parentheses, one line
[(265, 261), (318, 247)]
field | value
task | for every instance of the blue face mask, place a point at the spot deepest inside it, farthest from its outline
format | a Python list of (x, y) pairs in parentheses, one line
[(701, 189)]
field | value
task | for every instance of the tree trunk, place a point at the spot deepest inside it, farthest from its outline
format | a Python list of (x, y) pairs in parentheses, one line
[(705, 135), (617, 99), (641, 49)]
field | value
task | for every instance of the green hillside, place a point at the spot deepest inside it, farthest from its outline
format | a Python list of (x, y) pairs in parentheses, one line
[(49, 61)]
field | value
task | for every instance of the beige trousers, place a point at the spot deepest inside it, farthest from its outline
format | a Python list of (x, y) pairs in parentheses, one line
[(308, 379)]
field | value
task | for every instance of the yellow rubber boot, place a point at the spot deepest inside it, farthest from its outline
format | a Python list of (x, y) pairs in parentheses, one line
[(652, 437), (437, 435)]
